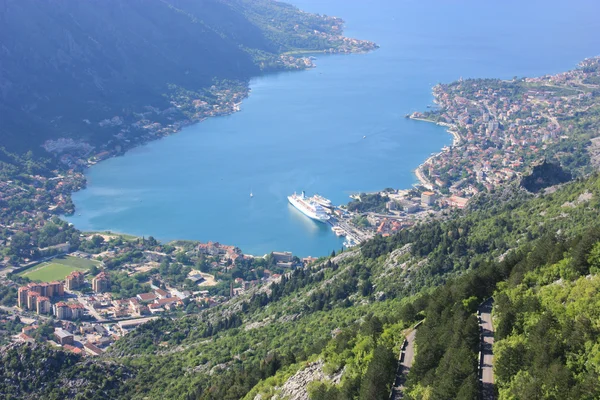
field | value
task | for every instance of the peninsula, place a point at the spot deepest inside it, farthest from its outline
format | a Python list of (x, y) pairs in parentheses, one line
[(500, 129)]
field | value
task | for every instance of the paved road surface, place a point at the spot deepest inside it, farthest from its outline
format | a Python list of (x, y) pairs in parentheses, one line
[(407, 357), (487, 368)]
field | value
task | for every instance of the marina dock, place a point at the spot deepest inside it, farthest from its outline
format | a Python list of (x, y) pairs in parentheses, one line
[(353, 235)]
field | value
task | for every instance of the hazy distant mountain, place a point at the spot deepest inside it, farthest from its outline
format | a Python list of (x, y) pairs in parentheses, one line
[(64, 65)]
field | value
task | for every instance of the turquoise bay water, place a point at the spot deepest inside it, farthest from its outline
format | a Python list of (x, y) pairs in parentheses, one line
[(304, 130)]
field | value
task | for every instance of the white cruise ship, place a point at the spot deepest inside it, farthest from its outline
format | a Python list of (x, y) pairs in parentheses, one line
[(322, 200), (308, 207)]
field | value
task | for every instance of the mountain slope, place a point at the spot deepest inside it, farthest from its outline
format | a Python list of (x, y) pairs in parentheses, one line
[(68, 65), (350, 312)]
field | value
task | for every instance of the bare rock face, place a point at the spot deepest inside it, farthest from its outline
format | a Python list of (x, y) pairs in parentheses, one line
[(34, 371), (346, 255), (296, 387)]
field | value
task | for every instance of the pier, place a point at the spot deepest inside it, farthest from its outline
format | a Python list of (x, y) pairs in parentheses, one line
[(354, 235)]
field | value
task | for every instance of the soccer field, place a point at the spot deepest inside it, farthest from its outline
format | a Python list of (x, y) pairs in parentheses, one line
[(57, 269)]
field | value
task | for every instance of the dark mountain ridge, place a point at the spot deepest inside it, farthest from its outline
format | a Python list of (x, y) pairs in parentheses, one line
[(67, 65)]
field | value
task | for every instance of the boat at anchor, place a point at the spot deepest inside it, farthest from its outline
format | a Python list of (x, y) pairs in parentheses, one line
[(309, 207)]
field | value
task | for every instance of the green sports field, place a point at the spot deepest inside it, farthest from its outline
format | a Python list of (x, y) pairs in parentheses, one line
[(57, 269)]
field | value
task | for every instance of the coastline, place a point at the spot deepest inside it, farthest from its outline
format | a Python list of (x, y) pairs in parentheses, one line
[(456, 142), (451, 129), (224, 107)]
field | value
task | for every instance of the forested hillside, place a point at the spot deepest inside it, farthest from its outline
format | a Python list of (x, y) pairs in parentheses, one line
[(341, 321), (69, 65)]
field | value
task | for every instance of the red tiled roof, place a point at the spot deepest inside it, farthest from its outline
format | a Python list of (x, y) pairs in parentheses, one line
[(162, 302), (73, 349), (147, 296), (93, 348), (24, 337)]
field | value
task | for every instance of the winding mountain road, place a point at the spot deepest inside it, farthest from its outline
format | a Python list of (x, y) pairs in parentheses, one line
[(405, 362), (487, 354)]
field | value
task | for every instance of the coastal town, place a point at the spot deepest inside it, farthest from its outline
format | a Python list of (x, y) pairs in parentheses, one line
[(501, 127), (85, 301), (83, 291)]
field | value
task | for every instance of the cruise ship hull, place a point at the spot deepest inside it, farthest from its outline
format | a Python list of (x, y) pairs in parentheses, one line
[(306, 211)]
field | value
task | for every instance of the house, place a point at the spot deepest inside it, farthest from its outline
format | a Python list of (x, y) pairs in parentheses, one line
[(155, 256), (126, 325), (155, 308), (63, 337), (146, 297), (409, 206), (100, 330), (91, 349), (162, 294), (169, 303), (86, 328), (282, 256), (27, 329), (120, 312), (428, 198), (104, 342), (74, 280), (72, 349), (459, 202), (141, 309), (23, 337), (308, 260), (195, 277)]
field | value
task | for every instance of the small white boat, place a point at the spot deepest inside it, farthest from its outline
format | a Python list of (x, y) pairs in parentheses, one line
[(338, 231)]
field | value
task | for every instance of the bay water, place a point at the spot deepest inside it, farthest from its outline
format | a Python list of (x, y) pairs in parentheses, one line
[(334, 130)]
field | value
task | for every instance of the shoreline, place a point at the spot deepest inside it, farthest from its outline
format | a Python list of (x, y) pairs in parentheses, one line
[(229, 108), (456, 142), (456, 137), (234, 107)]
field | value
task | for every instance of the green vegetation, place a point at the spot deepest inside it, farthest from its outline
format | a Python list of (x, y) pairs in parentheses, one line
[(545, 175), (547, 341), (8, 327), (57, 269), (8, 295), (33, 371), (169, 53), (76, 262), (537, 255), (36, 243), (369, 202), (124, 286), (49, 271)]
